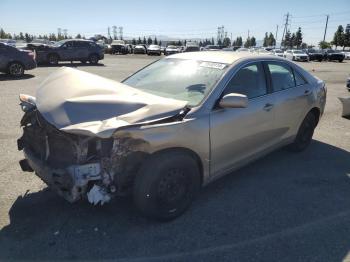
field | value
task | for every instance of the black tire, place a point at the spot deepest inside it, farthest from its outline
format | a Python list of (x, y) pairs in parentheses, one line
[(93, 59), (83, 61), (166, 185), (15, 69), (340, 60), (53, 59), (305, 133)]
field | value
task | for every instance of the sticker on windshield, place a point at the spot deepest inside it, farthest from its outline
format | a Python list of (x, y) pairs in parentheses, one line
[(213, 65)]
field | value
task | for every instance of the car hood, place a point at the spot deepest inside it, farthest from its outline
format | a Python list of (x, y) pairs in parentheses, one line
[(82, 103)]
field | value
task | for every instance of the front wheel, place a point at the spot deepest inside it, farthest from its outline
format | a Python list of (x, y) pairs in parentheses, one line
[(93, 59), (166, 185), (16, 69), (305, 133)]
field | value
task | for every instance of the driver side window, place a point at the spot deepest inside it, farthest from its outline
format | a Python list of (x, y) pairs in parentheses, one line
[(249, 81)]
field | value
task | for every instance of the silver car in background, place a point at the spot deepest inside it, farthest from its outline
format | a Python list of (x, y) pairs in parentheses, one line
[(168, 130), (296, 55)]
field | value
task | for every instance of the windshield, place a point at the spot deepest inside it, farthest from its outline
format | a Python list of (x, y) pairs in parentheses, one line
[(59, 43), (181, 79), (172, 47)]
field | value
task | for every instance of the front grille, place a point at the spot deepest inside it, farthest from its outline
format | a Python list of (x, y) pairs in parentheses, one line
[(48, 143)]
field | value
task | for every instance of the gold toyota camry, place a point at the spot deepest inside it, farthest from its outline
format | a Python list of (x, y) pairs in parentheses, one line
[(167, 130)]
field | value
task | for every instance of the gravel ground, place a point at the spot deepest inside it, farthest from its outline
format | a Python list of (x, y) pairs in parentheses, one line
[(284, 207)]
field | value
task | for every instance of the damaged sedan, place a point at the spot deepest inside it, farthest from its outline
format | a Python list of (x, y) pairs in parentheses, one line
[(167, 130)]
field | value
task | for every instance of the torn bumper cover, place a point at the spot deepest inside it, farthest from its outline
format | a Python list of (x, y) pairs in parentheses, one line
[(70, 182)]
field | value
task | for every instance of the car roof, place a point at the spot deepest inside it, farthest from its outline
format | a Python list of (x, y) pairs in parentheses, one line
[(219, 56)]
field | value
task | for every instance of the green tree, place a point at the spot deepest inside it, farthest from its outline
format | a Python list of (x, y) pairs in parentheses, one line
[(247, 43), (271, 41), (133, 41), (139, 41), (286, 42), (324, 45), (21, 36), (347, 39), (155, 41), (144, 41), (78, 36), (226, 42), (339, 37), (2, 33), (212, 41), (160, 42), (298, 38), (149, 41), (252, 41), (266, 40)]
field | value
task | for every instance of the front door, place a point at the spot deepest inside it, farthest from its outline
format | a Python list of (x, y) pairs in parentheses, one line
[(237, 134)]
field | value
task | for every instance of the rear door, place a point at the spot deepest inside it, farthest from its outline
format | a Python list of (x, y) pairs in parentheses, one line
[(4, 50), (239, 133), (81, 50), (66, 51), (291, 93)]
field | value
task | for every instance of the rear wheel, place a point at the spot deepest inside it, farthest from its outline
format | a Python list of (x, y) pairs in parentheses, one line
[(340, 60), (53, 59), (305, 133), (16, 69), (93, 59), (166, 185)]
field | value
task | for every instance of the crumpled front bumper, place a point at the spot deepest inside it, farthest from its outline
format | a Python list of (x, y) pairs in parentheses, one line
[(71, 183)]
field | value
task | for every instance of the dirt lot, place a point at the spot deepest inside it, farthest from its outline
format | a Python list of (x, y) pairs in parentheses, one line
[(284, 207)]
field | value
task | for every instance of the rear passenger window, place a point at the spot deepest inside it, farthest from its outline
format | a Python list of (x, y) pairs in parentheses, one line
[(249, 81), (281, 76), (299, 80)]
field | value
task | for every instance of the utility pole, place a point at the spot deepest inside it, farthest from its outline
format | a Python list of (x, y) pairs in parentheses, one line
[(285, 27), (248, 33), (325, 30), (109, 32), (114, 32), (121, 32), (276, 35)]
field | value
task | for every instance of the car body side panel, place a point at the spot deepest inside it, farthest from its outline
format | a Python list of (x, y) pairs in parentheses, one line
[(189, 134)]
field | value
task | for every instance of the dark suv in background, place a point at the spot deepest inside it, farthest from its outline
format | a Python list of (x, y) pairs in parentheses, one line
[(70, 50), (14, 61)]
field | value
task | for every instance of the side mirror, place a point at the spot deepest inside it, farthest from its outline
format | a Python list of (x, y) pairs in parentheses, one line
[(234, 100)]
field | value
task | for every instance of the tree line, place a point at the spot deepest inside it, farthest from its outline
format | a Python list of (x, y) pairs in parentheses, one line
[(341, 38)]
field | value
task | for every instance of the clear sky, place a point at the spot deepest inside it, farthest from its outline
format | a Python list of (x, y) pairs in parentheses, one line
[(175, 19)]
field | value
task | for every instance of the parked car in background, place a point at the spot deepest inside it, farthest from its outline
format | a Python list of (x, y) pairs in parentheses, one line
[(171, 128), (348, 83), (119, 47), (171, 49), (296, 55), (277, 52), (15, 61), (191, 48), (162, 49), (346, 55), (154, 50), (211, 48), (315, 55), (242, 49), (70, 50), (334, 55), (9, 42), (140, 49)]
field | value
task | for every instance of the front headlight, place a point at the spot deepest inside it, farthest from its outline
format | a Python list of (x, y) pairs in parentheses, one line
[(27, 102)]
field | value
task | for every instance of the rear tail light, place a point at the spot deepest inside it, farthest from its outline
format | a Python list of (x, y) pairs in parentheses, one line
[(32, 54)]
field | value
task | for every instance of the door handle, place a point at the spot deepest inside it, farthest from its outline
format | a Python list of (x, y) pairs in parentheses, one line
[(307, 92), (268, 107)]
